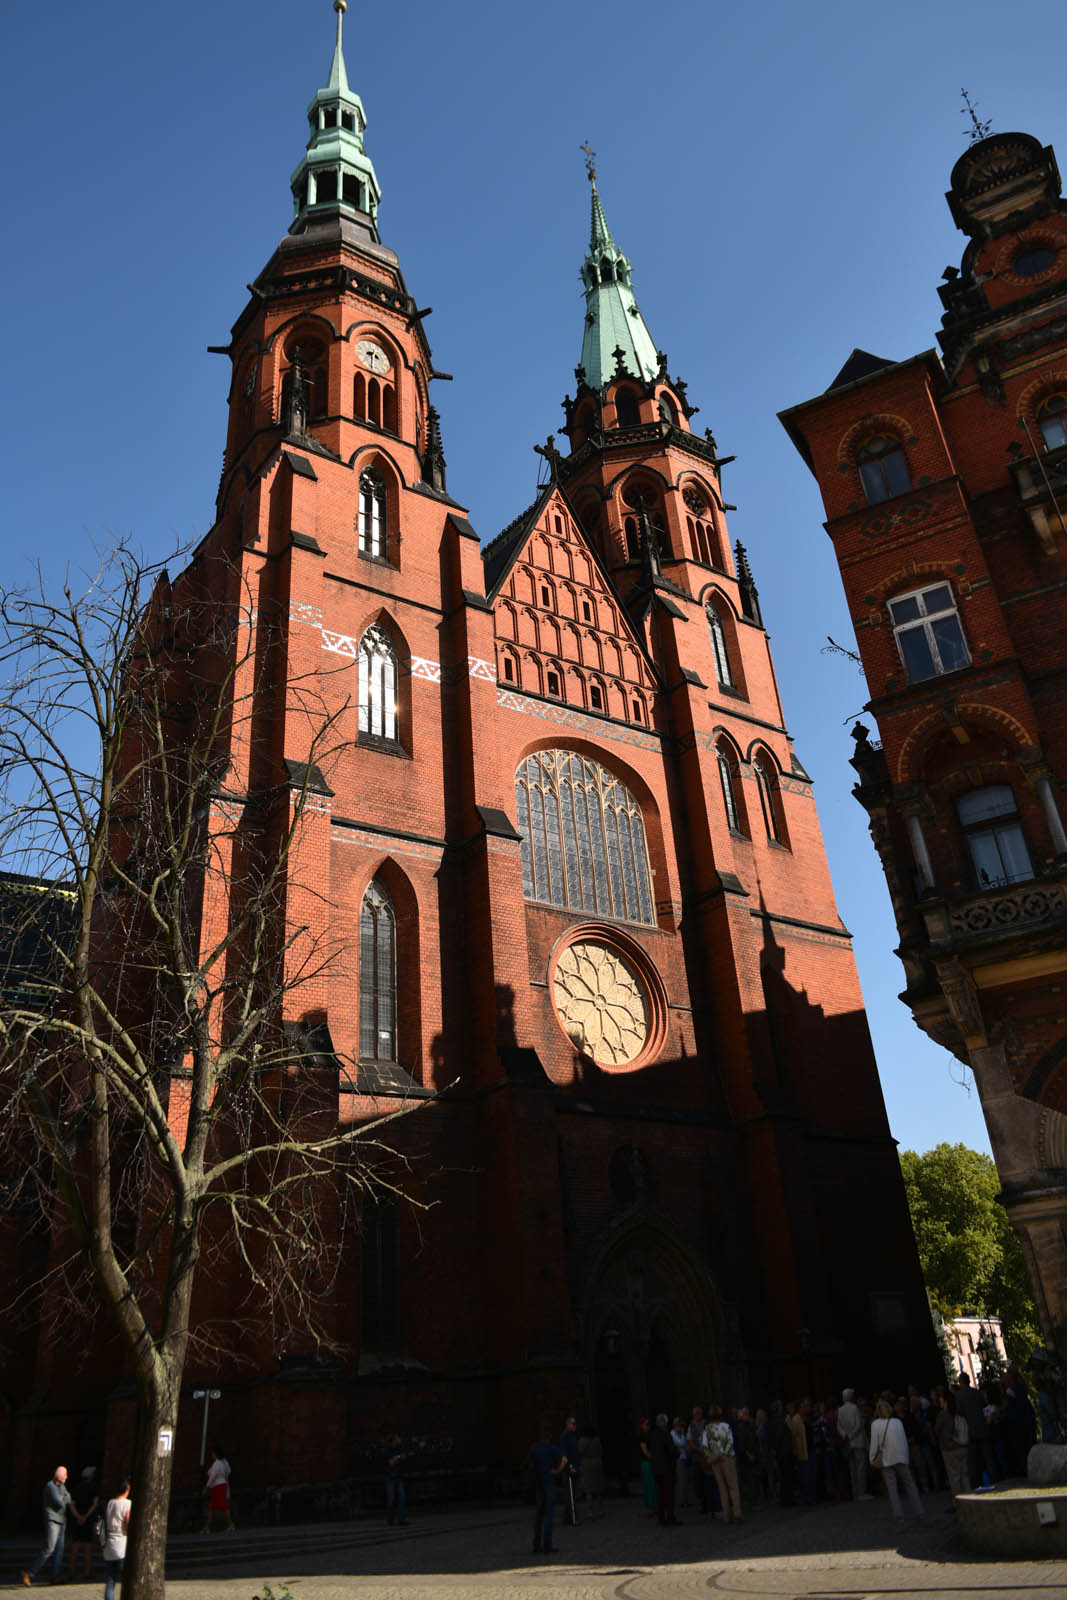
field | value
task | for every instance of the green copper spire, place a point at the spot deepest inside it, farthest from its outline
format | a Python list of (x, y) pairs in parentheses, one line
[(336, 173), (338, 81), (612, 320)]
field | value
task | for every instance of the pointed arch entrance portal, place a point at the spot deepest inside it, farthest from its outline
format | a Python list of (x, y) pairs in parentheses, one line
[(655, 1333)]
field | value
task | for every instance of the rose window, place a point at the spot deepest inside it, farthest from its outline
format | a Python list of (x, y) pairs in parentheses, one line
[(602, 1004)]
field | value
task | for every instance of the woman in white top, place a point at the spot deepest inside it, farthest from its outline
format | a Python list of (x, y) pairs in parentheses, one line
[(217, 1490), (116, 1526), (890, 1442)]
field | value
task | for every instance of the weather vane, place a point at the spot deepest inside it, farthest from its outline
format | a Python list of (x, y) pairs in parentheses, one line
[(979, 129), (590, 160)]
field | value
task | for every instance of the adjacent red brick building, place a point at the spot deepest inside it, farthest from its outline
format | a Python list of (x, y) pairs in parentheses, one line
[(570, 870), (945, 479)]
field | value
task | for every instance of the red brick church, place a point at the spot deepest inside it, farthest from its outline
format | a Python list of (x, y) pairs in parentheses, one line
[(573, 870)]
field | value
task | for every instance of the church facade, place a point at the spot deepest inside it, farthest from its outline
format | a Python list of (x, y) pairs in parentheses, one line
[(571, 870)]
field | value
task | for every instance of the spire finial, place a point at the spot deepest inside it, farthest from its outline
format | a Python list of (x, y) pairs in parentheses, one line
[(338, 75), (980, 127), (590, 161)]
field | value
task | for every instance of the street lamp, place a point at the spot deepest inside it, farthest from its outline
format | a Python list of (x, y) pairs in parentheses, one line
[(206, 1395)]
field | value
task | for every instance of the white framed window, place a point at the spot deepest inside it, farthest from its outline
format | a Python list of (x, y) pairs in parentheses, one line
[(883, 468), (371, 515), (927, 629), (989, 818), (377, 684), (718, 647)]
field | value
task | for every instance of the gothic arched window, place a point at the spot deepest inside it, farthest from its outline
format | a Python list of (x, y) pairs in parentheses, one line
[(727, 778), (718, 647), (371, 515), (765, 790), (379, 1300), (377, 976), (377, 684), (583, 837)]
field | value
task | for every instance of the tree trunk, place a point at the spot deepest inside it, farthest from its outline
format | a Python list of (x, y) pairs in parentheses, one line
[(146, 1552)]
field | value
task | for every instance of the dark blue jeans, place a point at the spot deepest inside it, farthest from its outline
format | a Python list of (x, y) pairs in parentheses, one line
[(55, 1538), (544, 1516), (395, 1500), (114, 1570)]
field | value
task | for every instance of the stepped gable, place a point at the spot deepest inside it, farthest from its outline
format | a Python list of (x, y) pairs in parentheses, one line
[(498, 553), (544, 563)]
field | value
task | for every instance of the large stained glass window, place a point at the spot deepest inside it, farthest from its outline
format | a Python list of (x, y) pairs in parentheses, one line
[(583, 837)]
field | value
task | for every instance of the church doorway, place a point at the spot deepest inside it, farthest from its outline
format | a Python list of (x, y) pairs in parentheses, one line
[(654, 1335)]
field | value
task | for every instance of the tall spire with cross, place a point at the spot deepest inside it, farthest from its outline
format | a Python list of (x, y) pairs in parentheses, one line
[(336, 174), (613, 322)]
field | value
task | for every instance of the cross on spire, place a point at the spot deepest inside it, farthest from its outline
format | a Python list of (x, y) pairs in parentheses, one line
[(590, 161)]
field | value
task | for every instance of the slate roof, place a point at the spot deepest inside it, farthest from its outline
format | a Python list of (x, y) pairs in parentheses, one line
[(860, 364)]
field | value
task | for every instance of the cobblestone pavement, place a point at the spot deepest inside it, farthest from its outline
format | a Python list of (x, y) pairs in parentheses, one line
[(832, 1552)]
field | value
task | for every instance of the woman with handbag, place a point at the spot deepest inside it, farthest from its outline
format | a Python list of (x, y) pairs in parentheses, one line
[(890, 1453), (116, 1528)]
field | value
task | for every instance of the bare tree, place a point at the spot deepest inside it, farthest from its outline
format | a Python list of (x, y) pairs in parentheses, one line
[(164, 1063)]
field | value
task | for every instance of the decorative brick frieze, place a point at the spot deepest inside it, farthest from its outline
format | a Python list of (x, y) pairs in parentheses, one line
[(565, 717)]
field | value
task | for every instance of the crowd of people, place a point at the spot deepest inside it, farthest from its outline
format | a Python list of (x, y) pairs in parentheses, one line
[(798, 1452), (85, 1520)]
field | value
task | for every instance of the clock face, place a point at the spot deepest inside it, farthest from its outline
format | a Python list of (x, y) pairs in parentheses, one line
[(372, 356)]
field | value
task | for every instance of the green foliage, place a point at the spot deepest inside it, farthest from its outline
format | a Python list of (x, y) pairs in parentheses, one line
[(270, 1594), (944, 1343), (970, 1256)]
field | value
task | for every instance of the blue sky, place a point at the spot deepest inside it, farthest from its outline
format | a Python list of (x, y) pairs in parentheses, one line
[(776, 174)]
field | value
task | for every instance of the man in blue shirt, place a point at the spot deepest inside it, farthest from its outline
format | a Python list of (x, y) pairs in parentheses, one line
[(547, 1461), (54, 1504)]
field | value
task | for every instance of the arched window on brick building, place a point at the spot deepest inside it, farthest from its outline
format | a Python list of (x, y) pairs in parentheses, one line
[(372, 515), (583, 837), (883, 468), (377, 684), (989, 818), (378, 1298), (718, 647), (728, 780), (769, 799), (377, 976)]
